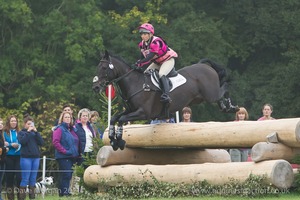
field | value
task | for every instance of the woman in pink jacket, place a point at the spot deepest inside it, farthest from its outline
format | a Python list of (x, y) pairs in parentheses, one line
[(155, 50)]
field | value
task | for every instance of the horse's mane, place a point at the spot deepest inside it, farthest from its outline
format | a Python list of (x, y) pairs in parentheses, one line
[(119, 58)]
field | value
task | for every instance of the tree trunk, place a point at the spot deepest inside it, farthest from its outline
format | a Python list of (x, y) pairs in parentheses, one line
[(214, 135), (273, 151), (279, 173), (141, 156)]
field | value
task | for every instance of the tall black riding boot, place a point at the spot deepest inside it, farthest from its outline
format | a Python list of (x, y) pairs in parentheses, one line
[(165, 98)]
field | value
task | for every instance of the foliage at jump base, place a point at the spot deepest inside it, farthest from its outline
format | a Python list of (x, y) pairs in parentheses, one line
[(254, 186)]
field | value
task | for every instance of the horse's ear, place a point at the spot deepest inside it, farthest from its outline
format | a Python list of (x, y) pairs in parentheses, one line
[(106, 54)]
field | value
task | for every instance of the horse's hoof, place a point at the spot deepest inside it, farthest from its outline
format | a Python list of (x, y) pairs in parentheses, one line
[(114, 144), (121, 144), (233, 109), (115, 148)]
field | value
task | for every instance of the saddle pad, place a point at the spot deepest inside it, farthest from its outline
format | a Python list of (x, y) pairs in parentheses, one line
[(176, 81)]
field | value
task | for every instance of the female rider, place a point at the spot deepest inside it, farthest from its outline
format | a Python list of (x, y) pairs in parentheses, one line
[(154, 50)]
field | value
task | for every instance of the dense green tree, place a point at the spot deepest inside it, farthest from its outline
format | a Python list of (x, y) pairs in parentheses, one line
[(49, 50)]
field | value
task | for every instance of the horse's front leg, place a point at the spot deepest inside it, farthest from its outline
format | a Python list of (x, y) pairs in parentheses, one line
[(119, 133), (112, 132)]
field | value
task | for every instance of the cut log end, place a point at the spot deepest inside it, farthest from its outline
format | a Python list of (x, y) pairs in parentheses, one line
[(103, 154), (297, 131), (282, 175)]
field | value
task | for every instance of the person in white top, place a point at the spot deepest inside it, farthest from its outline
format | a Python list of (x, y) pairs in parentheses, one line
[(85, 133)]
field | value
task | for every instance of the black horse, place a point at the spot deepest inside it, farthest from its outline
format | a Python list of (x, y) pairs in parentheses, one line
[(142, 97)]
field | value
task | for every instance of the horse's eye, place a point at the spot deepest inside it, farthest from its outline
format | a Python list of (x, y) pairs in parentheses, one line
[(95, 79)]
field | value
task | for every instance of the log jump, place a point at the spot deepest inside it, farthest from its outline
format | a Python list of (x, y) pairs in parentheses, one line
[(189, 152), (140, 156), (214, 135), (279, 173)]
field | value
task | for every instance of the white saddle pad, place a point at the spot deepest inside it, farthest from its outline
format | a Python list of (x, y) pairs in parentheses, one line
[(176, 81)]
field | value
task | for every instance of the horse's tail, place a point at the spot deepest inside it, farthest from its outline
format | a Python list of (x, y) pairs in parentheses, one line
[(221, 71)]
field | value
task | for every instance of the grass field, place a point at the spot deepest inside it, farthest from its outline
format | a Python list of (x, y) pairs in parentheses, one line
[(291, 196), (286, 195)]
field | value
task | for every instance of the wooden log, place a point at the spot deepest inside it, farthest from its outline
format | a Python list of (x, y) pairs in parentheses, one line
[(273, 151), (272, 138), (141, 156), (278, 173), (243, 134)]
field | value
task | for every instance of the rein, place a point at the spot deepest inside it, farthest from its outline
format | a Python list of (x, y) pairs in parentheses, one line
[(118, 79), (111, 66)]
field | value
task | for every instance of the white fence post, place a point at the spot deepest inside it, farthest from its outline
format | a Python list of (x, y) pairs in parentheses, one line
[(44, 167)]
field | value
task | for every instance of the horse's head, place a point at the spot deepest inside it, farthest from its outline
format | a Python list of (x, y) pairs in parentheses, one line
[(106, 73)]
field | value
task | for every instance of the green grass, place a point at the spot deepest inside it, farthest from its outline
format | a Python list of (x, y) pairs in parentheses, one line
[(292, 196), (289, 196)]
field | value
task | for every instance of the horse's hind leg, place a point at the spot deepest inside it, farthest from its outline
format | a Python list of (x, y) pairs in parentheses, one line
[(225, 101)]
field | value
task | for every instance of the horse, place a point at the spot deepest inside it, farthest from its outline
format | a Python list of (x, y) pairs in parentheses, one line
[(204, 81)]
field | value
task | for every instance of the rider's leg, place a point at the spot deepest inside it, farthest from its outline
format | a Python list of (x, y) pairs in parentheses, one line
[(165, 98), (164, 70), (166, 67), (152, 66)]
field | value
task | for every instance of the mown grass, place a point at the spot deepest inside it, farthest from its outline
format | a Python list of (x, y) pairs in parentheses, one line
[(287, 196)]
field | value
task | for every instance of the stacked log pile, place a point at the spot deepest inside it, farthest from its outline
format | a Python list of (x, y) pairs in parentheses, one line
[(188, 152)]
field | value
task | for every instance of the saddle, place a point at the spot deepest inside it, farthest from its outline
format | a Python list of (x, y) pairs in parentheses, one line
[(174, 79)]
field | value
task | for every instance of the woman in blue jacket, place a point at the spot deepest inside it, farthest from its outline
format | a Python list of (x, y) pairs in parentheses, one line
[(3, 150), (13, 177), (85, 133), (31, 140), (66, 144)]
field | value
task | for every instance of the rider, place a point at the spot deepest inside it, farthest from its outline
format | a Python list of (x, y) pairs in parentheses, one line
[(155, 50)]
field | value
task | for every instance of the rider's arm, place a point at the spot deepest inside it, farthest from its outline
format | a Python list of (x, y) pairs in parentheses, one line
[(146, 60)]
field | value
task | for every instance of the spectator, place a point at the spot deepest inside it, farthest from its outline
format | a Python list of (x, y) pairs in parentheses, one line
[(13, 175), (267, 111), (159, 121), (241, 115), (66, 144), (30, 140), (85, 133), (93, 120), (3, 151), (186, 114), (240, 155), (66, 108)]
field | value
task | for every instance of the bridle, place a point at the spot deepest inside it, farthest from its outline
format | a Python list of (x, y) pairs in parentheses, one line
[(116, 80), (111, 67)]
